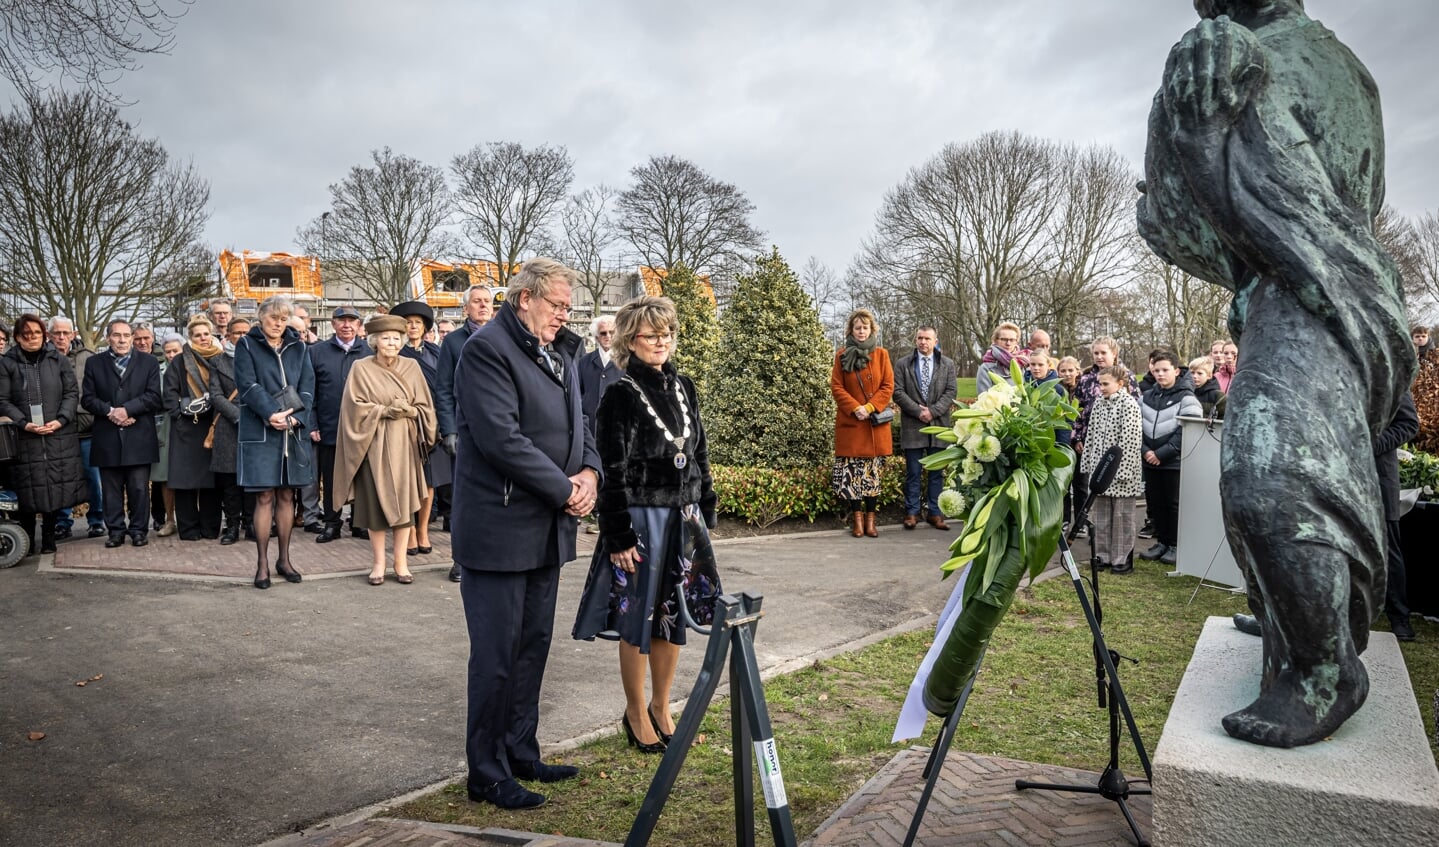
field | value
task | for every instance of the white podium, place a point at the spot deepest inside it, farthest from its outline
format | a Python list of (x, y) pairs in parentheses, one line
[(1203, 547)]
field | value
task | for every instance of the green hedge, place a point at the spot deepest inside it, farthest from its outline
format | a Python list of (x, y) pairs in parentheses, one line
[(761, 496)]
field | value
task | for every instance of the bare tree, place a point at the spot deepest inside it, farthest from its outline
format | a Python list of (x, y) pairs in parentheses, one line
[(1422, 264), (675, 212), (831, 297), (382, 220), (88, 42), (965, 234), (97, 221), (1166, 307), (1090, 245), (507, 194), (188, 282), (589, 240)]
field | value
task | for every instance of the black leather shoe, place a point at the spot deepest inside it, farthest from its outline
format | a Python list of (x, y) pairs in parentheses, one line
[(314, 528), (62, 532), (543, 772), (454, 573), (1171, 556), (328, 534), (1154, 552), (508, 794), (249, 532), (95, 532), (1122, 568), (1401, 629), (115, 541), (288, 571), (139, 540), (360, 533), (635, 742), (230, 535), (47, 543)]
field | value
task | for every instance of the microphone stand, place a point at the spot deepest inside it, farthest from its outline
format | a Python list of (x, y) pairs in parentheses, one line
[(1112, 784)]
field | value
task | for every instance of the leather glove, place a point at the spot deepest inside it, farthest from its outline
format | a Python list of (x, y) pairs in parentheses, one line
[(451, 443)]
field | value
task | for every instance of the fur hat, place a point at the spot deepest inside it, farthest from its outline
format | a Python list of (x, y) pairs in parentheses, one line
[(385, 323)]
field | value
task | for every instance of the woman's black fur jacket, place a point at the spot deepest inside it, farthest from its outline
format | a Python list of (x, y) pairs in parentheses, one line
[(639, 467)]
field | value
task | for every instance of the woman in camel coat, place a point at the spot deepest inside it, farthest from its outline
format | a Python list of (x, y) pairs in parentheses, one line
[(387, 427), (862, 382)]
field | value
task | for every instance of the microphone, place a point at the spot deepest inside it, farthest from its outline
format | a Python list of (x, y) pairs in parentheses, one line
[(1104, 471), (1099, 481)]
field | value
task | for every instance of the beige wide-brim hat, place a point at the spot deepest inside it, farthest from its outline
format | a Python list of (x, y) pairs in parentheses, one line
[(385, 323)]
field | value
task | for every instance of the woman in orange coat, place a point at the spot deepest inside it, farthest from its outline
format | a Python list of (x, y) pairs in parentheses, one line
[(862, 383)]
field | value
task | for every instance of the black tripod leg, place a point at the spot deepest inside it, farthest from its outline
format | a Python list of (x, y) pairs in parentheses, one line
[(935, 765)]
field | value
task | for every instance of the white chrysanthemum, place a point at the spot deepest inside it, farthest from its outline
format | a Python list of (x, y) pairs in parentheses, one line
[(952, 503), (999, 396), (988, 449), (966, 428), (969, 471)]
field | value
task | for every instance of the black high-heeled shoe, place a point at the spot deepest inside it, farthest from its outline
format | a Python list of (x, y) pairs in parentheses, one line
[(261, 583), (657, 747), (290, 575), (664, 736)]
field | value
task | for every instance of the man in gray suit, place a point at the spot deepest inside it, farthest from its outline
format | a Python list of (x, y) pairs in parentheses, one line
[(924, 388)]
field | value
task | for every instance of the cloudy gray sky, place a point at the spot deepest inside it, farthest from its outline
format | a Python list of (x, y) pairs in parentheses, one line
[(812, 108)]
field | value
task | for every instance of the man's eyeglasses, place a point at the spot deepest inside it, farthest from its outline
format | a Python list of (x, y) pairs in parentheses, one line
[(605, 333), (562, 308)]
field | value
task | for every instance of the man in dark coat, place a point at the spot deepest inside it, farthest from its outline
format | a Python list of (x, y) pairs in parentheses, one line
[(67, 343), (122, 391), (526, 470), (925, 383), (332, 360), (597, 370), (1399, 432), (479, 309)]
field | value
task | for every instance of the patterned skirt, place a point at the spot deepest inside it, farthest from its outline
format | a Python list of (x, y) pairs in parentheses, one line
[(674, 550), (856, 477)]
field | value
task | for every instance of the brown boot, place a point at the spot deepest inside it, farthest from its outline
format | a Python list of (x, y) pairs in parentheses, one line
[(869, 524), (856, 524)]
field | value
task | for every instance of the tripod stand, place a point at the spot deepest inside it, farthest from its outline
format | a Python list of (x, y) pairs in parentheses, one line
[(1112, 783)]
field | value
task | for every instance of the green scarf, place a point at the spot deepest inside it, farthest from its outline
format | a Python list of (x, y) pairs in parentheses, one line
[(856, 353)]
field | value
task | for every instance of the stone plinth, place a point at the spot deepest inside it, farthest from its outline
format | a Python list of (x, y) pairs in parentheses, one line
[(1373, 782)]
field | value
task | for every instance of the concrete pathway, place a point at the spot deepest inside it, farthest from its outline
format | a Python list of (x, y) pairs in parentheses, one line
[(171, 703)]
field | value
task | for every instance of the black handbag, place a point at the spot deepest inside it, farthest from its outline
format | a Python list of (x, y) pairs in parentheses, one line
[(289, 398), (884, 416)]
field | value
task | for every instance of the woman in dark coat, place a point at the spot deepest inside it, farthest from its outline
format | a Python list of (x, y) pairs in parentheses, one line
[(224, 396), (419, 317), (274, 458), (655, 504), (47, 475), (189, 404)]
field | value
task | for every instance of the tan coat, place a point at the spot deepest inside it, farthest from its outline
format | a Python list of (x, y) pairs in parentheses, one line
[(396, 447)]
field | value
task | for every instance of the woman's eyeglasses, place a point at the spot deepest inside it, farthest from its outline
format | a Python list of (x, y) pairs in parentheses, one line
[(657, 339)]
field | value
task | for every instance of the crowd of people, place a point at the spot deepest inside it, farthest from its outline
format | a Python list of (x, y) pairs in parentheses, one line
[(229, 430)]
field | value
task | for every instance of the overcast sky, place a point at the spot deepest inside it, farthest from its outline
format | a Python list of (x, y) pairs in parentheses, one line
[(813, 109)]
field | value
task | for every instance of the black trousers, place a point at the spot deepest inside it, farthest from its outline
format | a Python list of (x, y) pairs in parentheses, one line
[(1396, 595), (330, 513), (511, 617), (157, 503), (1161, 497), (197, 513), (232, 498), (126, 491)]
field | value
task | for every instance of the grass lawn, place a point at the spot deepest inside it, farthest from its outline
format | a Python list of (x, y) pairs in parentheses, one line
[(966, 388), (1034, 701)]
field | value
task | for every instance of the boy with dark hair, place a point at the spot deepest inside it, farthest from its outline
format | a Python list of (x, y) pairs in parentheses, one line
[(1161, 407)]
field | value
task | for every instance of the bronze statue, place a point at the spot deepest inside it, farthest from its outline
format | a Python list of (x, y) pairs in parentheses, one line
[(1264, 171)]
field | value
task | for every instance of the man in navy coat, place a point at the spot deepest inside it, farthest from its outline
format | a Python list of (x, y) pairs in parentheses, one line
[(122, 391), (526, 469), (332, 360)]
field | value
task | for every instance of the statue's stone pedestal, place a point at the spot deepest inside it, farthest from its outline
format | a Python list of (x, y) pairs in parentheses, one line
[(1373, 783)]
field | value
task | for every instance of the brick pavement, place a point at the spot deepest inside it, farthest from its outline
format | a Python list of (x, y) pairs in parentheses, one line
[(382, 832), (209, 560), (975, 802)]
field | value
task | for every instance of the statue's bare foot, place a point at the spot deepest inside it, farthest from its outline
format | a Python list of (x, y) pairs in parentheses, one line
[(1281, 717), (1247, 624)]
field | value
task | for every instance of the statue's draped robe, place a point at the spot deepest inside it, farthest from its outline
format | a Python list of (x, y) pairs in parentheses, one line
[(1275, 199)]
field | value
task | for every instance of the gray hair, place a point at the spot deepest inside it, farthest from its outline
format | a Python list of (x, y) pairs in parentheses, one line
[(110, 327), (174, 338), (538, 276), (645, 311), (51, 326), (600, 321), (470, 293), (277, 305)]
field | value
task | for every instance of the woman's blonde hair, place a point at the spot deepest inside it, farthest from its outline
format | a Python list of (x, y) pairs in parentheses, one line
[(1068, 359), (199, 320), (645, 312), (861, 314), (994, 336)]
